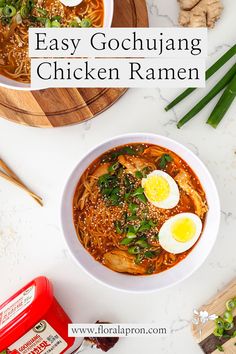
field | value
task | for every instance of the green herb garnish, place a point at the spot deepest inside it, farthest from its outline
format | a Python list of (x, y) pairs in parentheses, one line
[(133, 208), (138, 174), (146, 225), (138, 191), (142, 198), (164, 160)]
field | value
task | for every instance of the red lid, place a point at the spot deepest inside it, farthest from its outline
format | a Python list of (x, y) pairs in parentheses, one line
[(23, 310)]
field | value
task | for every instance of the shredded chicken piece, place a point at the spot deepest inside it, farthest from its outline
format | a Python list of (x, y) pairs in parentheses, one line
[(184, 182), (199, 13), (122, 262), (133, 163), (101, 170)]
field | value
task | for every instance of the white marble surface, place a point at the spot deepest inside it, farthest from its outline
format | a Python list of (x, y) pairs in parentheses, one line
[(31, 242)]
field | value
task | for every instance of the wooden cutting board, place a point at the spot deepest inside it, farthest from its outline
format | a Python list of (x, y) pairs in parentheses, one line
[(60, 107), (207, 341)]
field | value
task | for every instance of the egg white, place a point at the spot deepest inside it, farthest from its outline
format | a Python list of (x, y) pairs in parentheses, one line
[(173, 199), (168, 242)]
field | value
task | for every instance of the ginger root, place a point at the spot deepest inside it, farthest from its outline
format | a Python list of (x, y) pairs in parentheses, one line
[(199, 13)]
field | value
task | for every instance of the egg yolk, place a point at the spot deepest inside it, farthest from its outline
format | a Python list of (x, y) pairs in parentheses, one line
[(183, 230), (156, 188)]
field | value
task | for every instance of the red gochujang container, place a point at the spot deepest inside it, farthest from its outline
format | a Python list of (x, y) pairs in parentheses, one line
[(33, 322)]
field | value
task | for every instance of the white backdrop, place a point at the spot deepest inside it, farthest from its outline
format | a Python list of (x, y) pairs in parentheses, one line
[(31, 242)]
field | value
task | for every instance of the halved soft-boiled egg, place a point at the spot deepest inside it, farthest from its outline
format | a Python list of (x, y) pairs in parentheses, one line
[(161, 189), (180, 232)]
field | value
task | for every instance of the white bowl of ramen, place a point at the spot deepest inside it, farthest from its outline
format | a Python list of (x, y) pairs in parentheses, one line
[(129, 282), (17, 85)]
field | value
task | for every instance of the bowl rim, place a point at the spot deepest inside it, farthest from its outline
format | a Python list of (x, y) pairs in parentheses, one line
[(139, 138), (8, 83)]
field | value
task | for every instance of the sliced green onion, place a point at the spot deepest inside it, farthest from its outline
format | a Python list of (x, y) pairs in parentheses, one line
[(218, 332), (42, 11), (132, 229), (5, 20), (9, 11), (228, 326), (55, 24), (206, 99), (48, 23), (74, 24), (85, 22), (230, 305), (223, 104), (24, 11), (145, 226), (131, 234), (126, 241), (142, 243), (215, 67), (219, 322), (134, 250), (228, 316)]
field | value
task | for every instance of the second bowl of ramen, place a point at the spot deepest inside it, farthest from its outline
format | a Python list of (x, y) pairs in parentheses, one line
[(140, 212), (16, 18)]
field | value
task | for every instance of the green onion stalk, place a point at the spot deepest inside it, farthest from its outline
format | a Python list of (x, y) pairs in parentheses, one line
[(223, 104), (206, 99)]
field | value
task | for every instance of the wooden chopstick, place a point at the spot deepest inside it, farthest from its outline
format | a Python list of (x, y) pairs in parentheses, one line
[(10, 176)]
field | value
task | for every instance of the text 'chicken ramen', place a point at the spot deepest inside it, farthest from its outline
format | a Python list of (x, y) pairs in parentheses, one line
[(139, 209)]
